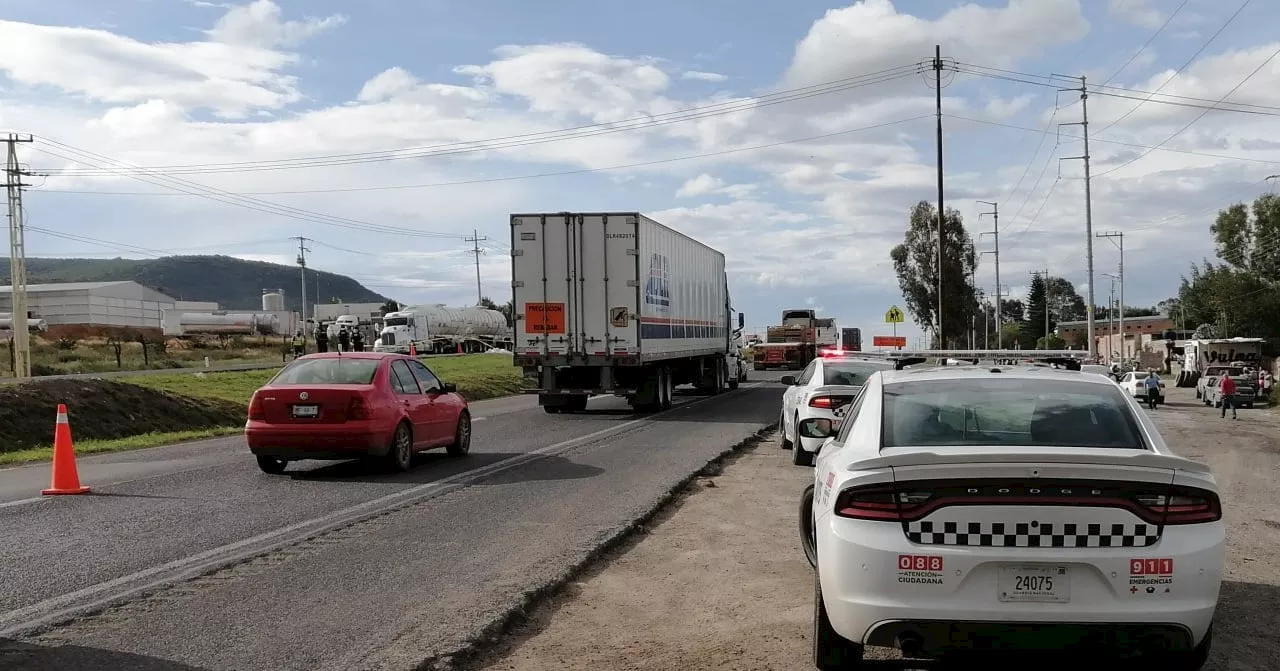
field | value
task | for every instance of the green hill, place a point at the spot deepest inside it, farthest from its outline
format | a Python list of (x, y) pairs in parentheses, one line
[(234, 283)]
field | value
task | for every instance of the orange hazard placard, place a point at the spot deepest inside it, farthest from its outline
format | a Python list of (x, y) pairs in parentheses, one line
[(544, 317), (889, 341)]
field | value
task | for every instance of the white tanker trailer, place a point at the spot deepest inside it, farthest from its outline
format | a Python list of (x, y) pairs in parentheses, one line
[(438, 329), (33, 324), (216, 323)]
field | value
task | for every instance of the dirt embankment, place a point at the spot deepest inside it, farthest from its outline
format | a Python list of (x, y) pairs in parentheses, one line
[(102, 409)]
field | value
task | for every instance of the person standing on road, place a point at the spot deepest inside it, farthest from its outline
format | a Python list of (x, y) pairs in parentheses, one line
[(357, 341), (1228, 390), (344, 340), (1152, 381)]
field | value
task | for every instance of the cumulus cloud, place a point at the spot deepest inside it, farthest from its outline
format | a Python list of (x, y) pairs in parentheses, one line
[(442, 156)]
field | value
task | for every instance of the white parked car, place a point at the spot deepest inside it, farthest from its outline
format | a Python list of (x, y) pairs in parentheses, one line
[(826, 388), (1135, 382), (955, 505)]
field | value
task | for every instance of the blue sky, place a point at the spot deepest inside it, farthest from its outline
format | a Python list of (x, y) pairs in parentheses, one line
[(183, 82)]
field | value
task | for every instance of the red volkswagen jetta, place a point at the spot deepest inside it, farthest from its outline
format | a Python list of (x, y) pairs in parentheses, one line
[(352, 405)]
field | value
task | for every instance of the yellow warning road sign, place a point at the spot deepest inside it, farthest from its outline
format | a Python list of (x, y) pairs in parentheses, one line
[(894, 315)]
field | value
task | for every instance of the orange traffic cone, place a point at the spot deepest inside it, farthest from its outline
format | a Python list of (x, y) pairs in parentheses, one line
[(413, 350), (66, 480)]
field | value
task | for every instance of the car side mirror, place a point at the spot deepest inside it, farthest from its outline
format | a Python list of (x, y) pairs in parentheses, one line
[(450, 388), (788, 380), (818, 427)]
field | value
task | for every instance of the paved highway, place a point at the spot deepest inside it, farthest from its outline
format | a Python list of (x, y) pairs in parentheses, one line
[(192, 558)]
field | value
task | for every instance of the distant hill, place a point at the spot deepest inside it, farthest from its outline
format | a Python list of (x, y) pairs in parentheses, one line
[(234, 283)]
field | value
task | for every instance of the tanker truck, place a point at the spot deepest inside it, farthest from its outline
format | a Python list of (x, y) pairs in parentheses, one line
[(178, 324), (617, 303), (33, 324), (438, 329)]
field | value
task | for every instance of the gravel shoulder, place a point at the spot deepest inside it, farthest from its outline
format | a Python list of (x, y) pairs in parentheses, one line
[(718, 581)]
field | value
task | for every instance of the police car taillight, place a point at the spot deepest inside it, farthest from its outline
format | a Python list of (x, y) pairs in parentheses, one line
[(879, 502), (1182, 505)]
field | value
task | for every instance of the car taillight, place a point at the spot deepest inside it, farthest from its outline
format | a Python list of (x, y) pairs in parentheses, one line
[(827, 402), (879, 502), (1183, 505), (255, 409), (358, 408)]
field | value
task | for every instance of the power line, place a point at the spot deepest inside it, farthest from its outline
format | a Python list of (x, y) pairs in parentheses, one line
[(259, 205), (490, 180), (1175, 74), (1191, 123), (1064, 136), (558, 135), (1147, 43)]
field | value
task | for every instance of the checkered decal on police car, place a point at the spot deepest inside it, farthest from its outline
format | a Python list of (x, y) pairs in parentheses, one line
[(1032, 534)]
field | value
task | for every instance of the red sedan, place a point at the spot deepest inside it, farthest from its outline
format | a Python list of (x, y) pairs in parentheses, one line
[(352, 405)]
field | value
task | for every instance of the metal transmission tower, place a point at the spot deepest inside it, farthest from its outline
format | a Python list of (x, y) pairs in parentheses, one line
[(21, 344), (1088, 202), (1118, 238), (302, 268), (995, 232), (475, 241)]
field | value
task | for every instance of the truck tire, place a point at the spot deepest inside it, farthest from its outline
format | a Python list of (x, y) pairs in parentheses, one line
[(648, 397), (667, 388)]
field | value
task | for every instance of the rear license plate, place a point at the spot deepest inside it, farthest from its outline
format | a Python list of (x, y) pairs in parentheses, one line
[(306, 411), (1034, 583)]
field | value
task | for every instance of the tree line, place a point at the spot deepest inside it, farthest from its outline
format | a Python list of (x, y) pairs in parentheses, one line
[(1237, 294), (966, 310)]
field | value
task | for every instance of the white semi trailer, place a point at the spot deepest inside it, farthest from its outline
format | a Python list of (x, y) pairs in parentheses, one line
[(441, 329), (617, 303), (33, 324)]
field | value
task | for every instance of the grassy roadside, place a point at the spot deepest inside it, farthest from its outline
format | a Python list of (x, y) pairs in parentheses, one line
[(478, 377), (138, 442)]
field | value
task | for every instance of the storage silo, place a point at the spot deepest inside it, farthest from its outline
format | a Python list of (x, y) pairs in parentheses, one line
[(273, 301)]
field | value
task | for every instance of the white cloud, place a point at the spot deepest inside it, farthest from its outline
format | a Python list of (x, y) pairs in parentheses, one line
[(698, 75), (796, 220), (1138, 12)]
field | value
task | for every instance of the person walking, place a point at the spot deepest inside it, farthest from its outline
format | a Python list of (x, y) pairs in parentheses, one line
[(299, 344), (344, 340), (1228, 390), (357, 341), (1152, 382)]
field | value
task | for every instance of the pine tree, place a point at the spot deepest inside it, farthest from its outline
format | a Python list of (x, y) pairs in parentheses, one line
[(1033, 329)]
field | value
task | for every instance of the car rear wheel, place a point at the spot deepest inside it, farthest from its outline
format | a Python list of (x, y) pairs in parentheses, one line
[(807, 527), (272, 465), (461, 444), (400, 457), (782, 431), (1190, 660), (831, 651)]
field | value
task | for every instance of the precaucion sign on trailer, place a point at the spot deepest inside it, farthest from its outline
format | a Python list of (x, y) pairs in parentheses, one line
[(894, 315)]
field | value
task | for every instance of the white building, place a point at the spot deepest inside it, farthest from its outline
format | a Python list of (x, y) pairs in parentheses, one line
[(122, 303)]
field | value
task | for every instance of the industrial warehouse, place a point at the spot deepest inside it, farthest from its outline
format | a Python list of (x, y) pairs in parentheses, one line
[(127, 304)]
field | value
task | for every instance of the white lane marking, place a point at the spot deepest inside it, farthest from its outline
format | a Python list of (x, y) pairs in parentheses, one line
[(66, 606), (20, 502), (478, 419)]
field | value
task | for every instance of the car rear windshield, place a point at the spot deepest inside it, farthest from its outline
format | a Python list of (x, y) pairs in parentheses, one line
[(1011, 411), (853, 373), (336, 370)]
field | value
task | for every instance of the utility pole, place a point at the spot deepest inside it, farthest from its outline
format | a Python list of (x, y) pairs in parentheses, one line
[(937, 80), (1111, 317), (995, 233), (302, 268), (20, 346), (1118, 238), (475, 241), (1088, 202)]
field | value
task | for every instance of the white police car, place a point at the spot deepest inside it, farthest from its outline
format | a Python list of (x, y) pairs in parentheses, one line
[(1019, 507)]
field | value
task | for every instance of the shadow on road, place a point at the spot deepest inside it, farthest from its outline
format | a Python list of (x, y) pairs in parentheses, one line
[(427, 467), (21, 656), (432, 466)]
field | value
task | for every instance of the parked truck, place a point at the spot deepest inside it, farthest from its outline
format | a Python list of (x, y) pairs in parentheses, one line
[(1202, 355), (438, 329), (800, 338), (851, 339), (616, 303)]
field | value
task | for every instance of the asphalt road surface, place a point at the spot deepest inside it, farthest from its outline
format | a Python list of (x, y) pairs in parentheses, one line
[(188, 557)]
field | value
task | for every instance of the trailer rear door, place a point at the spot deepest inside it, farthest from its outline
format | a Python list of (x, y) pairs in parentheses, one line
[(575, 284)]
